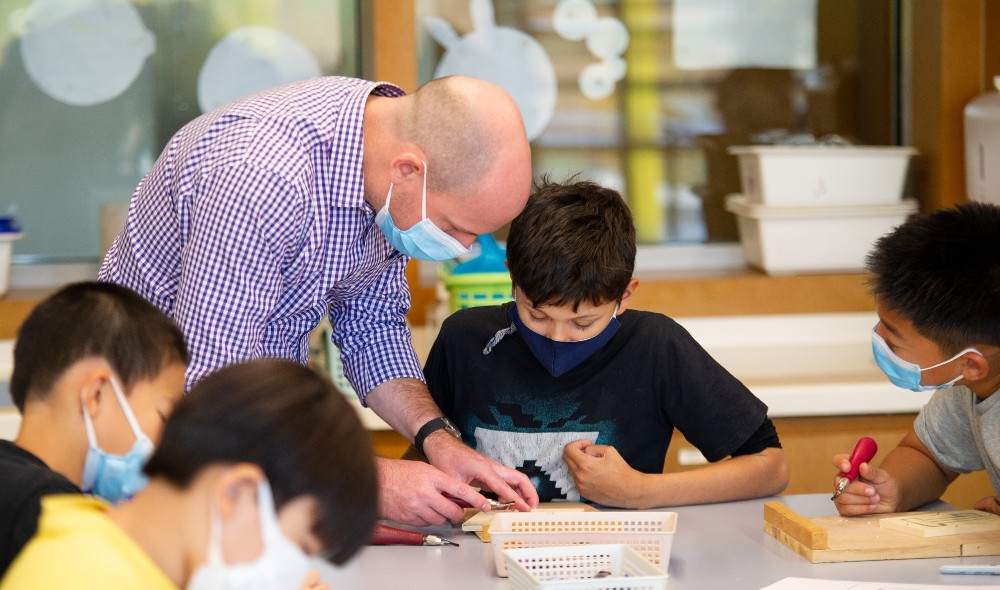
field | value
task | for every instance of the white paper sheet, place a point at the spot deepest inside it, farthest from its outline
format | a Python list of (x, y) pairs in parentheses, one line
[(809, 584)]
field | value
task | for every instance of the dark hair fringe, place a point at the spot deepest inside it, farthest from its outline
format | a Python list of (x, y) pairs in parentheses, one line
[(296, 427), (573, 242), (92, 319), (941, 271)]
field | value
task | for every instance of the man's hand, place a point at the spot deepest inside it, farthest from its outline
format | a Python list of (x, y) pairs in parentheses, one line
[(454, 458), (873, 491), (413, 493), (988, 504), (602, 475)]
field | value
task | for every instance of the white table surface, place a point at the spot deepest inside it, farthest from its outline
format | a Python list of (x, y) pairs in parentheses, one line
[(716, 547)]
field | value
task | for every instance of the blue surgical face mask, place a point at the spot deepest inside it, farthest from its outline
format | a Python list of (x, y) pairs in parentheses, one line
[(903, 373), (560, 357), (424, 240), (115, 477)]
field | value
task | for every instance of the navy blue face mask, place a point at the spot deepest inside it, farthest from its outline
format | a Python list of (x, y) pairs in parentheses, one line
[(560, 357)]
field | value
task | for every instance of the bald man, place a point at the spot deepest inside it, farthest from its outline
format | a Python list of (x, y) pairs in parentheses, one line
[(310, 198)]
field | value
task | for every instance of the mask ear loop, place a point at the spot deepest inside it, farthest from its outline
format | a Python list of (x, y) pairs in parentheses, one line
[(214, 554), (87, 423), (126, 408), (423, 206)]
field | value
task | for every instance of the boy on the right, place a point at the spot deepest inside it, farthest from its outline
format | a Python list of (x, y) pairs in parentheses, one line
[(936, 281)]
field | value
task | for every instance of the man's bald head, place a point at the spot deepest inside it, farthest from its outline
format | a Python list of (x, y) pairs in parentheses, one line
[(466, 127)]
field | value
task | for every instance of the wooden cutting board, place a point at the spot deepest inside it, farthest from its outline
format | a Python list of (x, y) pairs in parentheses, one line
[(826, 539)]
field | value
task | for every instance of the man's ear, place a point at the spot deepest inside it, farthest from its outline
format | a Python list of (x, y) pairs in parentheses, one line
[(236, 486), (406, 166), (633, 284)]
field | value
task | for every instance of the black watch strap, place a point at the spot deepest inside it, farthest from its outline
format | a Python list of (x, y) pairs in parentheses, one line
[(439, 423)]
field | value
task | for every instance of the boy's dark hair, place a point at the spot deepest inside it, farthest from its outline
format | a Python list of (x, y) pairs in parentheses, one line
[(941, 271), (294, 425), (574, 242), (92, 319)]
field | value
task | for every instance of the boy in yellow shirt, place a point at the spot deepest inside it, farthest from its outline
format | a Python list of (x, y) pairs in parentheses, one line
[(261, 467)]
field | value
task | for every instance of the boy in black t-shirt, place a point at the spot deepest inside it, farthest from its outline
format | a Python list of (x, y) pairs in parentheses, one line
[(581, 395), (97, 369)]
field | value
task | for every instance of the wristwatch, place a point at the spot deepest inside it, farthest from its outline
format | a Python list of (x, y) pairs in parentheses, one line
[(433, 426)]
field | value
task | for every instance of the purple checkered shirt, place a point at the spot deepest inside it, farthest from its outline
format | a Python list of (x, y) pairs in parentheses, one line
[(252, 224)]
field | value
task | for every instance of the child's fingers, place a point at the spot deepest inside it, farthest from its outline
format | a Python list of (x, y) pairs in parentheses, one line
[(312, 582)]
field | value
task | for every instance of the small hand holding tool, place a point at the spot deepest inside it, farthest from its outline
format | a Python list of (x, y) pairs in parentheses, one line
[(387, 535), (863, 453)]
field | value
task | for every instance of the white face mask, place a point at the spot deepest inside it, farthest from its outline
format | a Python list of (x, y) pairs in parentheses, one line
[(281, 564)]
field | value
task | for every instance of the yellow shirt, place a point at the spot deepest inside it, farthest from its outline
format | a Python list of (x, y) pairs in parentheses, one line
[(77, 546)]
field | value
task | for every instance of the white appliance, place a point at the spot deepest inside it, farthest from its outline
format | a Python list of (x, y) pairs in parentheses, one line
[(982, 146)]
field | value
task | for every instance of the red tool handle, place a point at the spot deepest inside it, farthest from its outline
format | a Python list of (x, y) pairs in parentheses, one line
[(863, 453), (387, 535)]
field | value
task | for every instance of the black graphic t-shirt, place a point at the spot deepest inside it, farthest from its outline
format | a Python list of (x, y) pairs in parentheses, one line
[(650, 378)]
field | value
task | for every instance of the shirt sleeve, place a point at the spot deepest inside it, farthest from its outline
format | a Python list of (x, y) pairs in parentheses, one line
[(436, 371), (713, 410), (371, 332), (945, 428), (231, 280)]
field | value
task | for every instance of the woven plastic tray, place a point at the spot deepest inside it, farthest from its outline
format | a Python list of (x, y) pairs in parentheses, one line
[(650, 534), (609, 567)]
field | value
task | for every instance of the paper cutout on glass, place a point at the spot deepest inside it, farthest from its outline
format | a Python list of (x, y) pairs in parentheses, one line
[(502, 55), (251, 59), (712, 34), (82, 52)]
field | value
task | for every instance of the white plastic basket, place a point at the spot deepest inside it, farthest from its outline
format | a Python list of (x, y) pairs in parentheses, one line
[(577, 567), (816, 175), (649, 533), (785, 240), (6, 247)]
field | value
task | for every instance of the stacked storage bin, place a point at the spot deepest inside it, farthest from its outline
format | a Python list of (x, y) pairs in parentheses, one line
[(483, 280), (816, 209)]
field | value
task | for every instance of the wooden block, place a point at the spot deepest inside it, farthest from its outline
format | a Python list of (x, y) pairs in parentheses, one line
[(795, 525), (828, 539), (479, 522), (939, 524)]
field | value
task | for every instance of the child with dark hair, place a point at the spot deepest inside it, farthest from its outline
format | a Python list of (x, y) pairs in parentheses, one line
[(936, 281), (261, 467), (97, 369), (581, 395)]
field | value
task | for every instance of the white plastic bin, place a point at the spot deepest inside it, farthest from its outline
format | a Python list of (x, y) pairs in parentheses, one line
[(822, 175), (651, 534), (582, 567), (786, 240), (9, 233)]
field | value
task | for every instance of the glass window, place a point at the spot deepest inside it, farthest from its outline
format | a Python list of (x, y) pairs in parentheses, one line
[(91, 90), (647, 95)]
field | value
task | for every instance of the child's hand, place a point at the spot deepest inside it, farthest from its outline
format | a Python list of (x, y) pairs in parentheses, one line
[(602, 476), (312, 582), (873, 491), (988, 504)]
